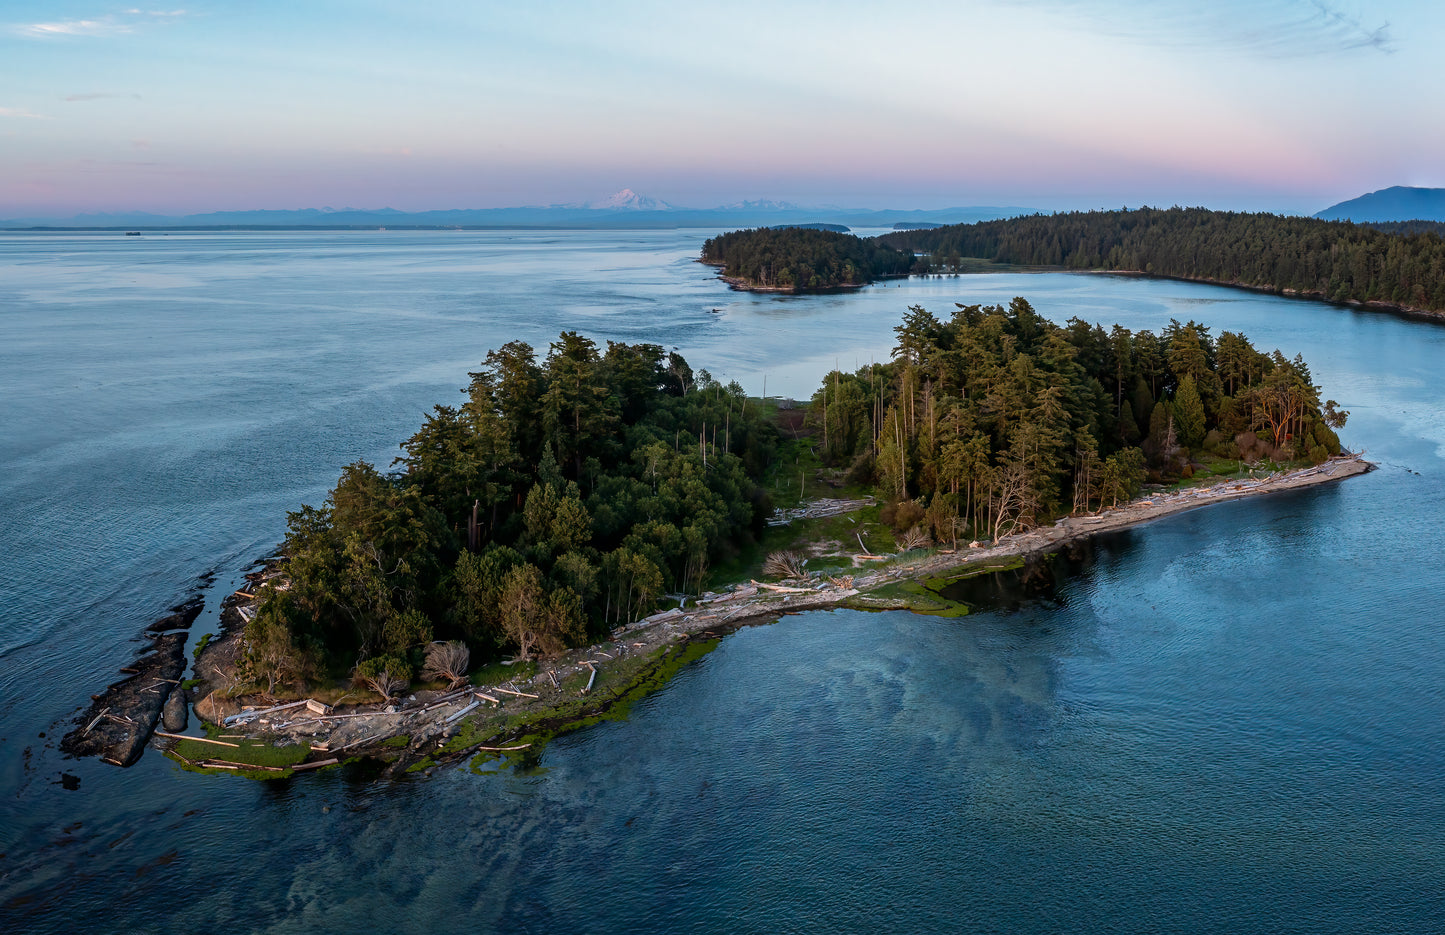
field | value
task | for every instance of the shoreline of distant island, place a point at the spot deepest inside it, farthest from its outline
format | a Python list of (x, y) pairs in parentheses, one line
[(1405, 311)]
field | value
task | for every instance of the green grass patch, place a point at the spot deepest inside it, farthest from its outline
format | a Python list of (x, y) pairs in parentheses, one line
[(495, 673), (973, 264), (399, 740), (793, 476), (798, 535), (576, 682), (273, 761), (201, 644)]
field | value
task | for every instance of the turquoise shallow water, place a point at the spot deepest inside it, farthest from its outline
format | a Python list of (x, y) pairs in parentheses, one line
[(1230, 720)]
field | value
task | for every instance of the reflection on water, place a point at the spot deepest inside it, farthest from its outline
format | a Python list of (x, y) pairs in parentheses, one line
[(1039, 578), (1227, 720)]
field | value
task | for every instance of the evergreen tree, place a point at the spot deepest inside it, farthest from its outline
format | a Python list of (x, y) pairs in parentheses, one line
[(1189, 411)]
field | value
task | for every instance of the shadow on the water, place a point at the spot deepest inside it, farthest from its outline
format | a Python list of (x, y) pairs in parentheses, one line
[(1041, 580)]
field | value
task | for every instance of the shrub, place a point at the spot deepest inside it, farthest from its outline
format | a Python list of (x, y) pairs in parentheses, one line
[(863, 470), (904, 515)]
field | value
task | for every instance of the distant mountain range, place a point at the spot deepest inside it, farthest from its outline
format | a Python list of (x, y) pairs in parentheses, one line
[(1398, 203), (624, 210)]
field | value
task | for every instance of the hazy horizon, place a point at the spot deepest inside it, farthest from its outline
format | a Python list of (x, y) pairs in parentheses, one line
[(1274, 105)]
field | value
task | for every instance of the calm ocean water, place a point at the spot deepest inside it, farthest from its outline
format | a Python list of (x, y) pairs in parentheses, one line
[(1232, 720)]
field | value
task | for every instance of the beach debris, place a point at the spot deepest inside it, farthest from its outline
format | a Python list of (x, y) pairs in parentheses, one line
[(219, 743), (317, 764), (753, 600), (779, 588), (226, 764), (462, 713), (250, 714), (818, 509)]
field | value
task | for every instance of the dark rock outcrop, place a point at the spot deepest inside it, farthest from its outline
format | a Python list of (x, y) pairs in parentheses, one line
[(181, 616), (120, 720)]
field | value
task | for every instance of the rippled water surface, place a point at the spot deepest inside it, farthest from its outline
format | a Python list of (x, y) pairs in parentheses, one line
[(1229, 720)]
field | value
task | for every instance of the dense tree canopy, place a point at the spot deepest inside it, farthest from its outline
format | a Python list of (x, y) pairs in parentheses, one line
[(567, 495), (799, 259), (996, 417), (1335, 260), (561, 498)]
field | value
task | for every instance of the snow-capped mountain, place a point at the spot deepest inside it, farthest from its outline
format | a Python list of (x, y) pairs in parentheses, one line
[(629, 200)]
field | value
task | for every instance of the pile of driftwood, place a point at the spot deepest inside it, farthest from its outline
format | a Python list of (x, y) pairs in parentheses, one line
[(817, 509), (418, 718)]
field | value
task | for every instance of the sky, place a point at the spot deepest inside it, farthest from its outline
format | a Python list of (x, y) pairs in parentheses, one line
[(1277, 105)]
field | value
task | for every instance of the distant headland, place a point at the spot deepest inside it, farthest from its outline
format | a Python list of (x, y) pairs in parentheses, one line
[(625, 210)]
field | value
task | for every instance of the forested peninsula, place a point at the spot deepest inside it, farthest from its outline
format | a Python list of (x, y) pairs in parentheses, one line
[(1400, 266), (546, 548), (566, 497), (798, 259)]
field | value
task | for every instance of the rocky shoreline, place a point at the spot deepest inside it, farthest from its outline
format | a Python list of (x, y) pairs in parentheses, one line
[(513, 717), (120, 719)]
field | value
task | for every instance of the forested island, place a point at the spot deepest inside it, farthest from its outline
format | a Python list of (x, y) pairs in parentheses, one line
[(571, 515), (1401, 266), (813, 225), (799, 259), (567, 497)]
